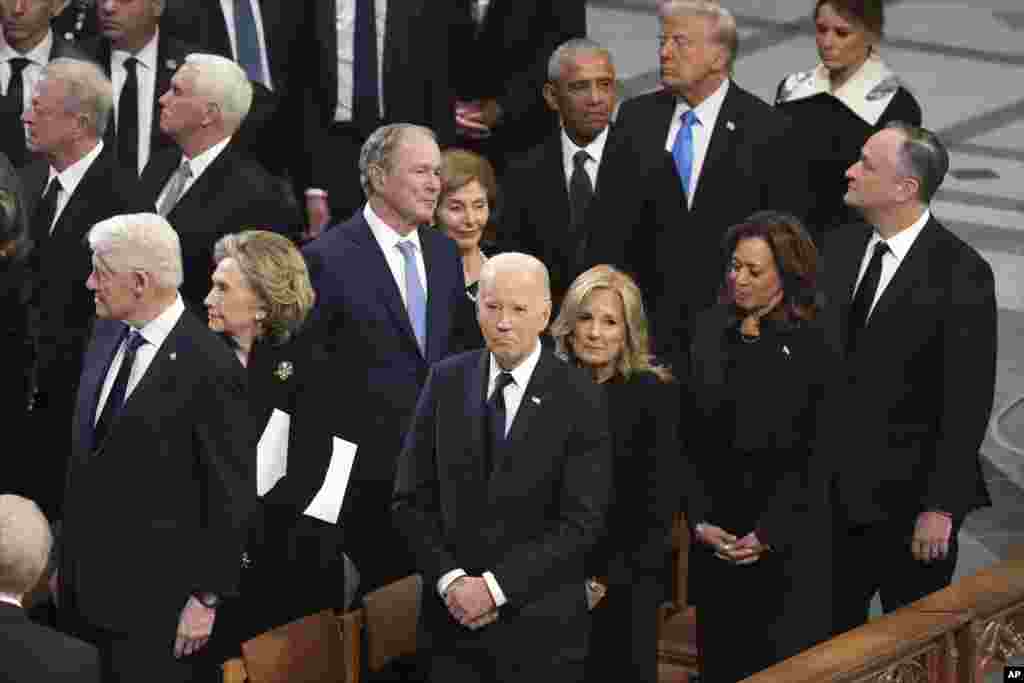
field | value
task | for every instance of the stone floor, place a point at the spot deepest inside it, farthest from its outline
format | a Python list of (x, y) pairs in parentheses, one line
[(963, 61)]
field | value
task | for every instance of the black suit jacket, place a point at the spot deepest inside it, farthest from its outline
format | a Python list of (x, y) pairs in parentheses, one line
[(753, 162), (184, 443), (170, 54), (919, 386), (364, 323), (32, 653), (233, 194), (530, 521)]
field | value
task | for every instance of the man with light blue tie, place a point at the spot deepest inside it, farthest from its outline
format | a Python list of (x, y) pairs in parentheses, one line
[(390, 302), (701, 154)]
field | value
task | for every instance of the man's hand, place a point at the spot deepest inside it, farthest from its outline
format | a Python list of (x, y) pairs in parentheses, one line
[(318, 215), (468, 599), (194, 628), (469, 120), (719, 539), (931, 536), (485, 620), (747, 550)]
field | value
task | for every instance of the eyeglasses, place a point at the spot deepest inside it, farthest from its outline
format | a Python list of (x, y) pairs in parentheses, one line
[(679, 40)]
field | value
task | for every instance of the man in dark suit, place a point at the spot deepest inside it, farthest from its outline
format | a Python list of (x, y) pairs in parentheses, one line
[(27, 45), (501, 490), (140, 61), (31, 652), (403, 78), (74, 184), (203, 185), (162, 404), (914, 309), (390, 302), (499, 58), (702, 155), (547, 193)]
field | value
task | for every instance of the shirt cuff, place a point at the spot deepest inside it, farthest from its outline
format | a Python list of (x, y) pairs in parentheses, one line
[(316, 192), (446, 580), (496, 592)]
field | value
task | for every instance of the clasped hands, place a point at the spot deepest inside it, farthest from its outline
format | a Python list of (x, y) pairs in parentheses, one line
[(931, 536), (728, 547), (470, 602)]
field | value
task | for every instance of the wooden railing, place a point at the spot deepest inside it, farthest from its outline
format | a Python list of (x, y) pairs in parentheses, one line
[(953, 636)]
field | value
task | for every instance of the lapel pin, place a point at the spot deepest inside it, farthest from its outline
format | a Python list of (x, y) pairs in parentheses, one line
[(730, 125), (173, 355), (284, 370), (785, 349), (171, 64), (535, 400)]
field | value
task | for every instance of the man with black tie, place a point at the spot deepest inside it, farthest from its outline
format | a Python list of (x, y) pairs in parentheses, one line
[(704, 155), (74, 184), (27, 45), (162, 476), (391, 301), (140, 62), (203, 185), (501, 490), (32, 653), (547, 193), (385, 61), (914, 309)]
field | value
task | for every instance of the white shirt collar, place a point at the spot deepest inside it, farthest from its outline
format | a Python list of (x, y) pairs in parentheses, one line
[(385, 235), (900, 243), (866, 93), (595, 149), (39, 55), (146, 56), (204, 159), (71, 176), (521, 373), (10, 599), (707, 111), (159, 328)]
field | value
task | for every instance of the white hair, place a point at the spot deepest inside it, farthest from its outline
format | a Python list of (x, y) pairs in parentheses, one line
[(724, 22), (571, 49), (225, 83), (512, 261), (139, 242), (25, 543), (379, 149), (88, 91)]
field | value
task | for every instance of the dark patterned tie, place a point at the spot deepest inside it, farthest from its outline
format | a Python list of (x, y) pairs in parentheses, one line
[(865, 296), (365, 93), (16, 95), (116, 397), (45, 212), (128, 118), (496, 417)]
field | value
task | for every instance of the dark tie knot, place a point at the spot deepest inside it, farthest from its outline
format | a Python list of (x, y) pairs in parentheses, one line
[(18, 65), (580, 159), (54, 187), (407, 247), (502, 381), (130, 64), (881, 249), (133, 342)]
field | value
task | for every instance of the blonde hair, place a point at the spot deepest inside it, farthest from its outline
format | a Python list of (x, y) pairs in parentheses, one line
[(277, 273), (636, 356)]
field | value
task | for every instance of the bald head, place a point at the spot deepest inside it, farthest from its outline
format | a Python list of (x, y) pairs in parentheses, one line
[(513, 306), (25, 542)]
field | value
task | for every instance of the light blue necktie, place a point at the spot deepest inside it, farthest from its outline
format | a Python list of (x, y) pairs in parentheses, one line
[(248, 42), (682, 149), (415, 297)]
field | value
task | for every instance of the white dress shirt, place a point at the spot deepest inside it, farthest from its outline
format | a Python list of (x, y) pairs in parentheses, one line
[(513, 395), (899, 245), (197, 166), (69, 178), (154, 332), (345, 25), (595, 150), (388, 240), (38, 58), (707, 113), (145, 72), (10, 599), (228, 7)]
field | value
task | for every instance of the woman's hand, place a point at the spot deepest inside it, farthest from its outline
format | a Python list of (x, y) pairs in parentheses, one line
[(716, 537), (747, 550)]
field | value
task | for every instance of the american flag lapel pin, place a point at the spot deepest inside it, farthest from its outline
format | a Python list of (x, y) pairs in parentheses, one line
[(536, 401), (730, 125), (785, 349), (173, 355)]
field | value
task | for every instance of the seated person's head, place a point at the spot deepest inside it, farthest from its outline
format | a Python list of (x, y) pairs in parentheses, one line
[(208, 99), (25, 542), (513, 306)]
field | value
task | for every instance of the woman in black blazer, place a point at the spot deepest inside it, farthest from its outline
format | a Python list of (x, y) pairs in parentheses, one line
[(850, 95), (603, 328), (260, 298), (760, 566)]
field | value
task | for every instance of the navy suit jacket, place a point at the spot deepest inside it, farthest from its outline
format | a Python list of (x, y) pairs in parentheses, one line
[(37, 654)]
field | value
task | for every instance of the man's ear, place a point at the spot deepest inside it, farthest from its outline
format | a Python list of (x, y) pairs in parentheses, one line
[(550, 98)]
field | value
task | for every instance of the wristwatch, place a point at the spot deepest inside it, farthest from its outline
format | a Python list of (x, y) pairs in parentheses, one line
[(207, 599)]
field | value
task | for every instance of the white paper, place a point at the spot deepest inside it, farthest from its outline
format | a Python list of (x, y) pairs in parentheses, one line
[(326, 505), (272, 452)]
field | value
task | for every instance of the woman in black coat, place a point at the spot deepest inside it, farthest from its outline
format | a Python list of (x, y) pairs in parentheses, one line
[(602, 327), (850, 95), (293, 562), (760, 566)]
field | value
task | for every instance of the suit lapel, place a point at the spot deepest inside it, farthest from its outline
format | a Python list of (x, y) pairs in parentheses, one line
[(475, 410), (846, 260), (904, 281), (108, 339), (720, 154), (438, 309), (536, 394), (327, 31)]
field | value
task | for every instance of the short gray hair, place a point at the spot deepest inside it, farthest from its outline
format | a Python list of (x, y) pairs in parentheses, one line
[(923, 156), (514, 261), (224, 83), (140, 242), (725, 31), (25, 544), (379, 149), (569, 50), (88, 91)]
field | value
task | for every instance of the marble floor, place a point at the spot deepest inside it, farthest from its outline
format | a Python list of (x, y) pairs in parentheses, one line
[(964, 61)]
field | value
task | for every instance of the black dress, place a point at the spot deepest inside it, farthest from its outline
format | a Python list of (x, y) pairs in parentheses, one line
[(834, 127), (750, 441), (644, 420)]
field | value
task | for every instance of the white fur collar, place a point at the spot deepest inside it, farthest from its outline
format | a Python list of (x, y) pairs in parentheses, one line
[(867, 93)]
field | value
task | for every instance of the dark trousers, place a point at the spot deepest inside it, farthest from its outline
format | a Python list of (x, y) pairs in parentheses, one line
[(624, 633), (478, 666), (876, 558)]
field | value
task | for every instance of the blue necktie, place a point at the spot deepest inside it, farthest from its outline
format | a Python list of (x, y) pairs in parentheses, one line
[(248, 42), (682, 149), (415, 297)]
